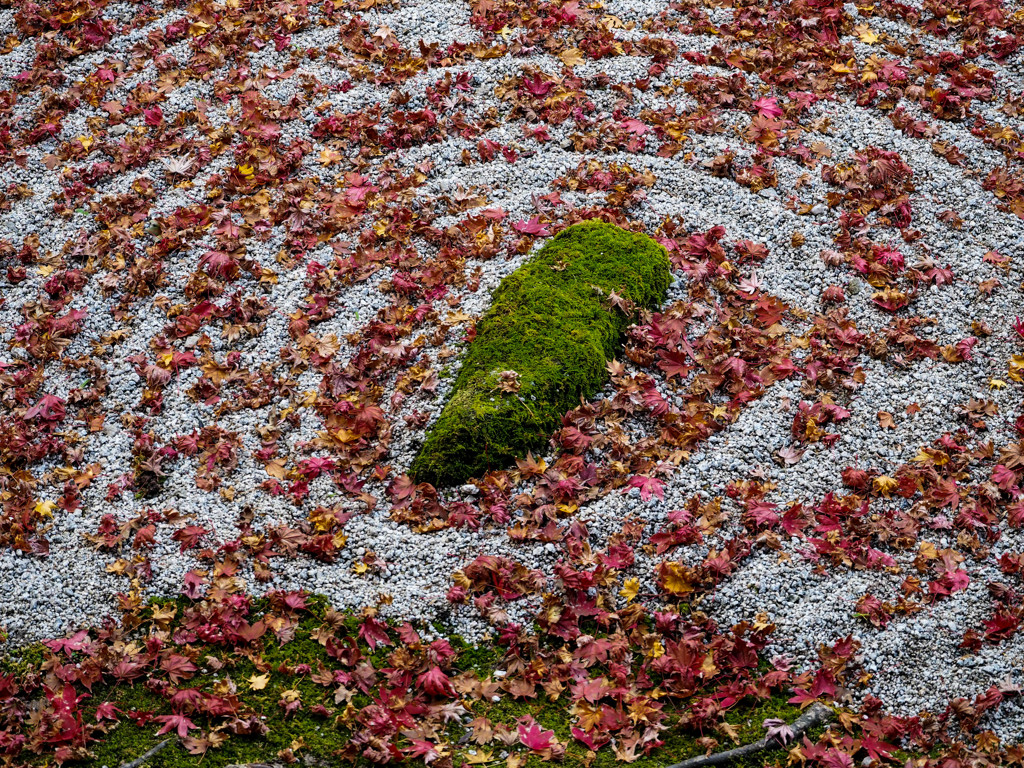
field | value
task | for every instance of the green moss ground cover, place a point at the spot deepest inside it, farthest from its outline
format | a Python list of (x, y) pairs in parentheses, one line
[(319, 731), (552, 327)]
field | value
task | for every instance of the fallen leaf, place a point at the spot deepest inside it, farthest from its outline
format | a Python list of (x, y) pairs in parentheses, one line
[(866, 34), (630, 589), (259, 682), (571, 57)]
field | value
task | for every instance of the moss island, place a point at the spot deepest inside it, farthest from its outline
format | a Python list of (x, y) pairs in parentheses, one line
[(545, 342)]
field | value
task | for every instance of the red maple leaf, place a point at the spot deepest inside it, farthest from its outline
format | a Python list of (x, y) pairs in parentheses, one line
[(878, 750), (219, 264), (435, 682), (674, 364), (178, 667), (537, 85), (374, 632)]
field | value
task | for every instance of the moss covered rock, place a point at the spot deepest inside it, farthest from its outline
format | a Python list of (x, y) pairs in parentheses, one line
[(552, 327)]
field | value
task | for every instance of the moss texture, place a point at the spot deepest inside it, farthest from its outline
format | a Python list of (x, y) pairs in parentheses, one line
[(323, 737), (320, 736), (553, 323)]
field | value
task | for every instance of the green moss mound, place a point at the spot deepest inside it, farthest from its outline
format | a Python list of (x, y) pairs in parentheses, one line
[(554, 325)]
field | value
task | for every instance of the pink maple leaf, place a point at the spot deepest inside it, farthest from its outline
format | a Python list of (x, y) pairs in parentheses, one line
[(178, 667), (877, 750), (635, 126), (768, 107), (69, 644), (592, 742), (178, 723), (107, 711), (49, 408), (531, 227), (424, 749), (649, 486), (958, 580), (1004, 477), (835, 758), (315, 466), (536, 85), (534, 737), (295, 600), (778, 730), (219, 264), (964, 347)]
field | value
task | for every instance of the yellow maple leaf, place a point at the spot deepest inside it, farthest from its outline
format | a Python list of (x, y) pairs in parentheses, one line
[(258, 682), (162, 614), (571, 57), (360, 567), (676, 578), (477, 757), (884, 485), (866, 34), (329, 156), (996, 383), (45, 508), (1016, 368), (276, 468), (346, 435), (247, 170), (708, 668), (457, 317), (630, 589)]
